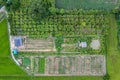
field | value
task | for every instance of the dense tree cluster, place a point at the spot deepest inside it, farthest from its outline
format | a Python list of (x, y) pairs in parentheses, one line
[(39, 9), (11, 4), (106, 77)]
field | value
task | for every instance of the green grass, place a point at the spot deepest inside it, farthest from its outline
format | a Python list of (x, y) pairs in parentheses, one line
[(42, 65), (7, 66), (26, 61), (113, 56), (68, 78), (53, 78), (4, 40), (85, 4)]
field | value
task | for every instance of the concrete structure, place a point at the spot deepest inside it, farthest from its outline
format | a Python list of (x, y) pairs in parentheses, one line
[(95, 44), (82, 44)]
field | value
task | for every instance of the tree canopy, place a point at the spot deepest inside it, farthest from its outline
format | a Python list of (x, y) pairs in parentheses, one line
[(39, 9), (11, 4), (14, 4)]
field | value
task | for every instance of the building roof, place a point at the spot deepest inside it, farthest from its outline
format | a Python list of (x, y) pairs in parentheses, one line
[(83, 44), (17, 41)]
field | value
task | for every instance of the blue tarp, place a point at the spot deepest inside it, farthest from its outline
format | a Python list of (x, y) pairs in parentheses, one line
[(18, 41)]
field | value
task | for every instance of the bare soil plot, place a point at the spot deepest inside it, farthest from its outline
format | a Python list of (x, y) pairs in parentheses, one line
[(76, 65), (95, 44), (36, 45)]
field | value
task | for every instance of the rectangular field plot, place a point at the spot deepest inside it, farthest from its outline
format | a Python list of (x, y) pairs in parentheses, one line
[(75, 65), (86, 4), (26, 61), (36, 45), (69, 24), (32, 64), (39, 65), (42, 65), (82, 44)]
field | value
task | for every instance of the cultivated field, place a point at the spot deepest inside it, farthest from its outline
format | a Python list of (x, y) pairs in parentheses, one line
[(86, 4), (63, 65), (75, 65), (69, 24)]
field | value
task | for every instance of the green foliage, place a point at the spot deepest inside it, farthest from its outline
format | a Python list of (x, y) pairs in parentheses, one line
[(118, 22), (53, 10), (26, 61), (113, 55), (39, 9), (106, 77), (115, 10), (89, 22), (42, 65), (1, 3), (58, 43), (62, 11), (11, 4), (14, 4)]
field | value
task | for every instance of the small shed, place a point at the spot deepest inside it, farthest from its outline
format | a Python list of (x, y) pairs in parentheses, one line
[(15, 51), (82, 44)]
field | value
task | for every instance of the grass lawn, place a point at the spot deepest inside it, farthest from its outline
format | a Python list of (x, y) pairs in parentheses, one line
[(7, 66), (26, 61), (4, 40), (68, 78), (52, 78), (113, 56)]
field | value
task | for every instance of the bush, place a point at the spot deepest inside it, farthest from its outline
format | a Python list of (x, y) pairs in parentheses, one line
[(58, 43), (106, 77)]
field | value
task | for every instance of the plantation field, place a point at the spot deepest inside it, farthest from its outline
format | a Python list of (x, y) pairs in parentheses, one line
[(7, 66), (86, 4), (70, 24)]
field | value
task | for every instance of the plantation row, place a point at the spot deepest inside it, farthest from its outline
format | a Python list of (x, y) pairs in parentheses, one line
[(69, 24)]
